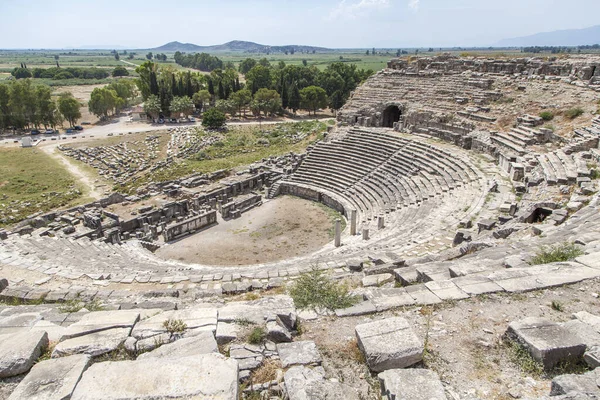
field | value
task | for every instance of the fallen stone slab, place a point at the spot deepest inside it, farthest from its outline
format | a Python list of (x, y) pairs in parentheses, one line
[(55, 332), (207, 376), (299, 353), (592, 357), (203, 343), (576, 384), (377, 280), (476, 284), (388, 344), (446, 290), (19, 351), (93, 344), (196, 318), (422, 295), (259, 311), (278, 333), (411, 384), (53, 379), (365, 307), (303, 383), (227, 332), (18, 322), (546, 341), (102, 320)]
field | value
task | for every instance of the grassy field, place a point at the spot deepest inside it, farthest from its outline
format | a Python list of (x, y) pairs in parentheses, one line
[(31, 181), (241, 146)]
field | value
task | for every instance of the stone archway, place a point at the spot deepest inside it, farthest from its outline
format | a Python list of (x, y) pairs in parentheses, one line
[(390, 115)]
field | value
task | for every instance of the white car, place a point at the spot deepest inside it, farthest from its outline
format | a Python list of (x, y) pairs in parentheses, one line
[(191, 119)]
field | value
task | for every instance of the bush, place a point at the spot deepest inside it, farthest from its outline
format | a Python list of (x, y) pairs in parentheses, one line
[(120, 71), (558, 253), (573, 113), (547, 115), (313, 289), (257, 335), (174, 325), (213, 119)]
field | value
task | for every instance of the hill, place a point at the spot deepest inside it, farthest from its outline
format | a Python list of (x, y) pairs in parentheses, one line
[(569, 37), (235, 46)]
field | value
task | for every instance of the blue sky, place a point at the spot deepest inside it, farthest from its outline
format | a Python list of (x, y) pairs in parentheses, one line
[(328, 23)]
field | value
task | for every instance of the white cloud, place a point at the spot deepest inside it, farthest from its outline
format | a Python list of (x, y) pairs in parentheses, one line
[(352, 10), (414, 4)]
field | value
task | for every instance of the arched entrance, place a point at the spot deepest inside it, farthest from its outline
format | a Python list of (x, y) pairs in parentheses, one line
[(390, 115)]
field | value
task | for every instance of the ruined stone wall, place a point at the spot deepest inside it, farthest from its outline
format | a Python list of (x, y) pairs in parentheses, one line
[(315, 195), (192, 224)]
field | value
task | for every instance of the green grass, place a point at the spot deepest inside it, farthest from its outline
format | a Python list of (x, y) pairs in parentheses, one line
[(257, 335), (315, 289), (241, 145), (174, 325), (523, 360), (547, 115), (557, 253), (573, 113), (557, 305), (32, 181)]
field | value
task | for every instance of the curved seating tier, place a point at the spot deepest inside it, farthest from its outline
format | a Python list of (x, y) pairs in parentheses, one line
[(378, 172)]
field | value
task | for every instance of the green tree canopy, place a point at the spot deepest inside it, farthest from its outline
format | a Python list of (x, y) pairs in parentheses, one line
[(313, 98), (69, 108), (103, 102), (152, 106), (120, 71), (213, 119)]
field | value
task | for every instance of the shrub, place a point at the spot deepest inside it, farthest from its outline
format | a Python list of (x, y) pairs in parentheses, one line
[(257, 335), (213, 119), (174, 325), (314, 289), (557, 253), (521, 357), (556, 305), (573, 113), (547, 115)]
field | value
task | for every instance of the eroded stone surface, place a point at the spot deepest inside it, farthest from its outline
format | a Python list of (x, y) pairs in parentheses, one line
[(19, 351)]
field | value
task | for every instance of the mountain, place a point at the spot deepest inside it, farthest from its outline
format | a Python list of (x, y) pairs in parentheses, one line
[(236, 46), (569, 37)]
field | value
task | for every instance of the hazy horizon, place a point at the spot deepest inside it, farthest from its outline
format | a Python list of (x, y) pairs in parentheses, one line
[(71, 24)]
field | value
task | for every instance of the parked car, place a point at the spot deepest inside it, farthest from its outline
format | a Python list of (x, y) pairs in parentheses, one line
[(161, 121), (78, 127), (173, 120), (49, 131), (192, 119), (69, 130), (35, 132)]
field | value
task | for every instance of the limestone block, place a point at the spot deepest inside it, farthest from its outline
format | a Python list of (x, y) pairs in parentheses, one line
[(389, 343), (446, 290), (18, 322), (102, 320), (411, 384), (55, 332), (53, 379), (93, 344), (299, 353), (304, 383), (226, 332), (278, 333), (19, 351), (592, 357), (197, 318), (365, 307), (207, 376), (203, 343), (546, 341), (576, 384), (377, 280)]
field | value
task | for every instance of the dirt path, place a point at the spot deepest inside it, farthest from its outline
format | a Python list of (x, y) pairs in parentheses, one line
[(92, 190)]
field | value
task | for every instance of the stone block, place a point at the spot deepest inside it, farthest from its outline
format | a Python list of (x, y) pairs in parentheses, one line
[(102, 320), (546, 341), (411, 384), (388, 344), (576, 384), (197, 318), (446, 290), (377, 280), (53, 379), (298, 353), (365, 307), (303, 383), (19, 351), (92, 344), (208, 376), (203, 343)]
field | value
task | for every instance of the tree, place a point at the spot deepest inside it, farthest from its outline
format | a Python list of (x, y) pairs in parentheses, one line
[(241, 99), (117, 57), (102, 102), (46, 112), (336, 100), (313, 98), (295, 99), (259, 77), (20, 73), (368, 52), (181, 105), (69, 108), (125, 89), (247, 65), (226, 106), (213, 119), (56, 57), (200, 98), (266, 101), (305, 62), (149, 56), (152, 106), (120, 71)]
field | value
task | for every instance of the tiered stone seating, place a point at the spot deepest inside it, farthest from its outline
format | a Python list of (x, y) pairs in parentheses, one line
[(380, 172), (561, 168)]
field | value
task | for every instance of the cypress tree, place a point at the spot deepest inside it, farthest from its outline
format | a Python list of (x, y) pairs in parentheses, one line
[(211, 87), (221, 91), (294, 102), (284, 95)]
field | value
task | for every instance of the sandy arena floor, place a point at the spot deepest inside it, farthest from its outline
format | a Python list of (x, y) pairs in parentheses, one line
[(282, 228)]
